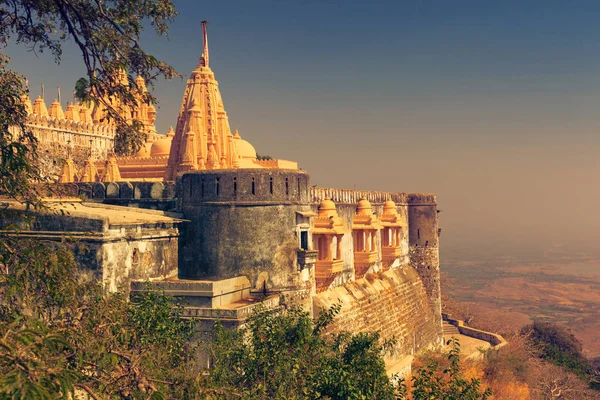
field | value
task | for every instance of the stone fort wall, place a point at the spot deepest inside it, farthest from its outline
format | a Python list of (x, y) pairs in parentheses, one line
[(244, 222), (394, 303)]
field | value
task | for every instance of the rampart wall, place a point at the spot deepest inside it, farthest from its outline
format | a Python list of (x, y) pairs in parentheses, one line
[(394, 303)]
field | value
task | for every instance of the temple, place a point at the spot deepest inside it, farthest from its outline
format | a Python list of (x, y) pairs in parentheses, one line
[(196, 213), (202, 139)]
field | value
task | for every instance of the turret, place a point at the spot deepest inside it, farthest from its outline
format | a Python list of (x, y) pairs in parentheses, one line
[(424, 252), (56, 110), (72, 112), (39, 107)]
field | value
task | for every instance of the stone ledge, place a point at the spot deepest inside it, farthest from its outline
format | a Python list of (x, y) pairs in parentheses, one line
[(497, 341)]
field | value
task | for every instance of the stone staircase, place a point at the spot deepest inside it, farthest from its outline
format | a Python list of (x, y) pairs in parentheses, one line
[(449, 330)]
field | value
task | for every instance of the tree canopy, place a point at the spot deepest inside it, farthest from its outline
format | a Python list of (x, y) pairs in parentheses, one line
[(107, 34)]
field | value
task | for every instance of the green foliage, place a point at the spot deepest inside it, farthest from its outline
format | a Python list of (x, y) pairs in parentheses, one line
[(428, 383), (107, 35), (129, 138), (60, 332), (17, 144), (559, 346), (287, 355)]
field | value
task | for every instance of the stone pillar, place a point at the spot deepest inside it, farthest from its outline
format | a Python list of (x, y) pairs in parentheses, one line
[(373, 241), (339, 247)]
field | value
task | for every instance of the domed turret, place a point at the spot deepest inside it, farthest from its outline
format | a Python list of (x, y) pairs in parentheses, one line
[(389, 207), (72, 112), (327, 208), (39, 107), (364, 207), (56, 110), (85, 114)]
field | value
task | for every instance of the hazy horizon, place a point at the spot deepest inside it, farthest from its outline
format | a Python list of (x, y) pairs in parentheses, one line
[(493, 107)]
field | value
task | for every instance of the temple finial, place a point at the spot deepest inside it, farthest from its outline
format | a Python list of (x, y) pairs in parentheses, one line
[(205, 40)]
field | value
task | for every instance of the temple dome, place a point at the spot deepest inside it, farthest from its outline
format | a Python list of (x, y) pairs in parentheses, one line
[(364, 207), (161, 147), (143, 151), (244, 149)]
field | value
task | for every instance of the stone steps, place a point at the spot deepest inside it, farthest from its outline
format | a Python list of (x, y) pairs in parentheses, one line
[(449, 330)]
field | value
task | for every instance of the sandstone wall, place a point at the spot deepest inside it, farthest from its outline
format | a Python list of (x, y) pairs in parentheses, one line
[(394, 303)]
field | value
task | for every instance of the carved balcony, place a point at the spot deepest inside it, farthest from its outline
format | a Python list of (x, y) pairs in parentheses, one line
[(328, 267), (365, 257), (391, 252)]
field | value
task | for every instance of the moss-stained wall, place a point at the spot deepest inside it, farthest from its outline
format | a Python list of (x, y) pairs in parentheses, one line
[(139, 258), (243, 222), (394, 303)]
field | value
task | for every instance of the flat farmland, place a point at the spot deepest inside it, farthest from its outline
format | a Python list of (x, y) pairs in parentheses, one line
[(564, 291)]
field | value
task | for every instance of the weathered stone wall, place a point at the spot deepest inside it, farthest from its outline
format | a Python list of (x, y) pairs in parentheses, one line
[(116, 253), (424, 254), (394, 303), (144, 256), (243, 222), (425, 260)]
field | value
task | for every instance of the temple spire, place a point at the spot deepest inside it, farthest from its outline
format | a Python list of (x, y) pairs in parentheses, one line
[(204, 58)]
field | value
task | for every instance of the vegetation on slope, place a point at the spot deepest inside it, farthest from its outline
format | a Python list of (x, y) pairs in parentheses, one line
[(61, 335), (541, 361)]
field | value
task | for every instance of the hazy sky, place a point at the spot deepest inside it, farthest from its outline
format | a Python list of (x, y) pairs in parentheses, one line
[(492, 105)]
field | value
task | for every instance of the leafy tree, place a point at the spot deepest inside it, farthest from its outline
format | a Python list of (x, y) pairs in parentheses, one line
[(17, 144), (559, 346), (288, 355), (107, 34), (60, 333)]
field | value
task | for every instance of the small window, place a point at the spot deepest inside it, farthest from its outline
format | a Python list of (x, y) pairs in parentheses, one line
[(287, 187), (271, 185), (217, 185), (253, 192), (304, 240), (235, 186)]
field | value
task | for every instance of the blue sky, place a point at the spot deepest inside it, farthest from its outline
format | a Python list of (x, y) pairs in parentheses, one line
[(491, 105)]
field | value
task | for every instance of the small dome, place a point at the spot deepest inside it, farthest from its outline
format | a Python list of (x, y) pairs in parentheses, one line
[(244, 149), (161, 147), (327, 208), (364, 207), (389, 207), (171, 132), (142, 152)]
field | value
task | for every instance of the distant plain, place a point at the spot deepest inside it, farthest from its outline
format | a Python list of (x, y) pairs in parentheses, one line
[(560, 286)]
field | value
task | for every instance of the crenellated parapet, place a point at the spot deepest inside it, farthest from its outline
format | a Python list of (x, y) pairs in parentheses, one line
[(351, 196)]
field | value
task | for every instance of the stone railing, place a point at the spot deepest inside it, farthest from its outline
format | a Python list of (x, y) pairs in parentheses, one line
[(497, 341), (350, 196)]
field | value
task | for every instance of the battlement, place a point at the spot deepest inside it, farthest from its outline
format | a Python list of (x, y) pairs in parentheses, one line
[(150, 195), (70, 126), (244, 185), (350, 196)]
